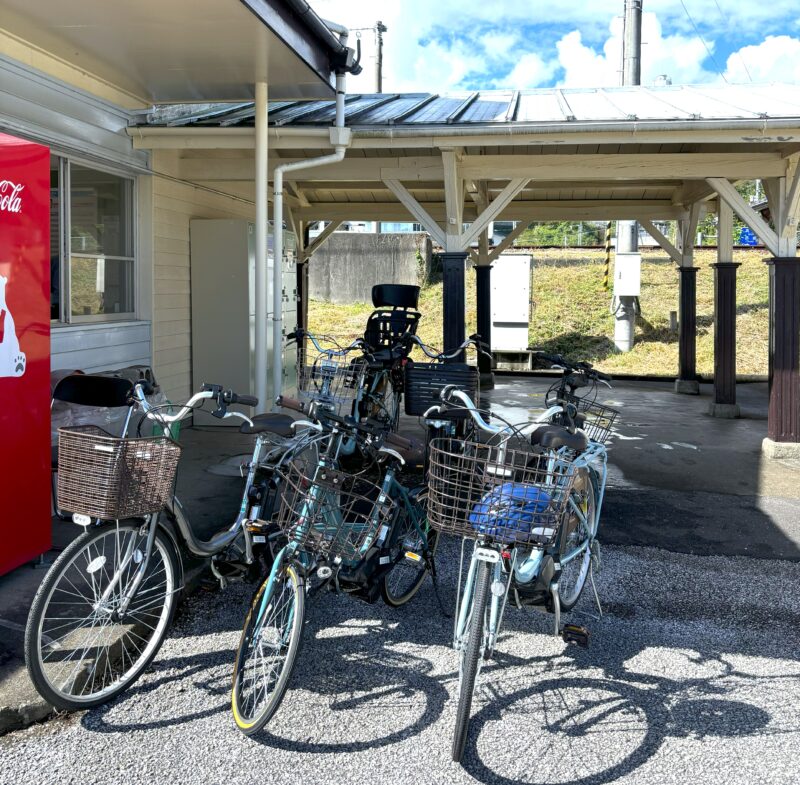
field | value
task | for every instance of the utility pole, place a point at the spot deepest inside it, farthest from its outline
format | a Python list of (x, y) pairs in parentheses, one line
[(380, 29), (628, 231)]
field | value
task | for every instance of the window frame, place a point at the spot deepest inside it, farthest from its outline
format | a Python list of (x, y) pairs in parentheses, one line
[(66, 317)]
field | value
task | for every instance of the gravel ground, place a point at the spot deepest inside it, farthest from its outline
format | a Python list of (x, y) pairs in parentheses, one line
[(692, 676)]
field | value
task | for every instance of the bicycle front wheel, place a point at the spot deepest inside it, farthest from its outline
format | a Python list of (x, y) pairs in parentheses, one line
[(268, 650), (81, 647), (470, 656), (412, 552)]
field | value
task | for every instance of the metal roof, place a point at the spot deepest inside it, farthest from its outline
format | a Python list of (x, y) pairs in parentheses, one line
[(680, 103)]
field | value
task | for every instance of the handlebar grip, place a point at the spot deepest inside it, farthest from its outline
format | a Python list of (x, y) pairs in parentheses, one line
[(286, 402), (604, 376), (395, 440), (244, 400)]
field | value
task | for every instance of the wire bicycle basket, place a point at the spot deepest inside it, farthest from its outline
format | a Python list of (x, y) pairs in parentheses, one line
[(332, 382), (508, 495), (332, 514), (599, 420), (110, 478)]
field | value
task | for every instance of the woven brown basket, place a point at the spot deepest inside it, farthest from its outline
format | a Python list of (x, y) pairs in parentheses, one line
[(332, 514), (492, 491), (106, 477)]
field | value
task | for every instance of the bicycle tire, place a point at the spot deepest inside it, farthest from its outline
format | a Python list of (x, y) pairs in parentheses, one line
[(253, 722), (98, 640), (470, 656), (570, 593), (389, 596)]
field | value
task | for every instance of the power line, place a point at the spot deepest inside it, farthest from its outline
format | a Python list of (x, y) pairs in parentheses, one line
[(713, 59), (739, 52)]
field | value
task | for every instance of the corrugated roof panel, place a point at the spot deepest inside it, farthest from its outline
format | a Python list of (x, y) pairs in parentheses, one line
[(770, 99), (592, 105), (488, 107), (290, 113), (651, 105), (387, 112), (704, 105), (540, 106), (438, 110)]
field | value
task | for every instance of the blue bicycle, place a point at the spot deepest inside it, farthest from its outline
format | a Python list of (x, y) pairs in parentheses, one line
[(345, 532), (529, 498)]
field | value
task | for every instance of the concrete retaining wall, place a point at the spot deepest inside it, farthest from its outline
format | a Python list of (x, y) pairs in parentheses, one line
[(347, 266)]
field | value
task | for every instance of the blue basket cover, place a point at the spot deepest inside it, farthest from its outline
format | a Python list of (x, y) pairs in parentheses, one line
[(510, 510)]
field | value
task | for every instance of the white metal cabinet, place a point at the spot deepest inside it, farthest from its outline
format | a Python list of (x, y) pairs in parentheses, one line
[(511, 306)]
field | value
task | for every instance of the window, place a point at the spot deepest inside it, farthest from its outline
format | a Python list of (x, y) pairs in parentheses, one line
[(92, 262)]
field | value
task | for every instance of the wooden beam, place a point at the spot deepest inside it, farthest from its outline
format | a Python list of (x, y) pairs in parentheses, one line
[(687, 229), (454, 201), (656, 234), (416, 210), (320, 239), (727, 192), (517, 210), (558, 168), (499, 203), (724, 232)]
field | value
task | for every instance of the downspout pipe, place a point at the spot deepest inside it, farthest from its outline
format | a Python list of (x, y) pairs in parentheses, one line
[(340, 139)]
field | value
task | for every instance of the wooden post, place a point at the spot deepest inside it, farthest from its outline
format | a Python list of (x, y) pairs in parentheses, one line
[(724, 403), (687, 382), (483, 297), (783, 431), (453, 328)]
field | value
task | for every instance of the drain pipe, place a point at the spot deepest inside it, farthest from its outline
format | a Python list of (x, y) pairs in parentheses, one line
[(340, 139)]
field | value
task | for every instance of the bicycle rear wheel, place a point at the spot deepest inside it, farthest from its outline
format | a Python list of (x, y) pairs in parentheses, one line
[(470, 656), (407, 552), (80, 650), (268, 650), (575, 534)]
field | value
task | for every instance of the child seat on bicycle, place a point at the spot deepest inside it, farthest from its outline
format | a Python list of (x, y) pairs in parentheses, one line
[(395, 317)]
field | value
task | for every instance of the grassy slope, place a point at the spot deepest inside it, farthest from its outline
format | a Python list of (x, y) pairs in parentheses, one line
[(572, 315)]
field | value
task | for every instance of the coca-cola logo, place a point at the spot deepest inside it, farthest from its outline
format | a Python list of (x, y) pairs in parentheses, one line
[(10, 196)]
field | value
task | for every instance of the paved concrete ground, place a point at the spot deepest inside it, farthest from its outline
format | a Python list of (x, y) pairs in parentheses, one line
[(679, 480), (692, 676)]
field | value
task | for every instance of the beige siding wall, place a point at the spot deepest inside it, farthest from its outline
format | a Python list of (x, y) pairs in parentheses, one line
[(174, 206)]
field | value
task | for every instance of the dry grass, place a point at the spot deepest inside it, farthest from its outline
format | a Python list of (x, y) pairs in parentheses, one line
[(572, 315)]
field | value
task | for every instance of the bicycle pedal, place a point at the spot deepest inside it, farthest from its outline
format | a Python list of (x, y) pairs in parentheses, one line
[(574, 633)]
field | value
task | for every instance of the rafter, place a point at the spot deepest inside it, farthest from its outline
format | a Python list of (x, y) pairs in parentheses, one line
[(761, 228)]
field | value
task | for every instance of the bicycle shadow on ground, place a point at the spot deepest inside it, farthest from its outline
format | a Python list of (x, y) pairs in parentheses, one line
[(357, 663), (671, 659)]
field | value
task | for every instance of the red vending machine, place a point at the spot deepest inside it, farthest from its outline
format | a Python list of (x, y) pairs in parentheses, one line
[(24, 351)]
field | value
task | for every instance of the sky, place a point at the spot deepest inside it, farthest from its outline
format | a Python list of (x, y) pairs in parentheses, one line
[(462, 45)]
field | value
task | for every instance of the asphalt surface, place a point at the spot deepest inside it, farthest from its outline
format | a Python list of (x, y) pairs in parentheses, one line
[(692, 676)]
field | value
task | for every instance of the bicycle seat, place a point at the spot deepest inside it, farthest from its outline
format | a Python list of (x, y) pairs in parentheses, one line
[(280, 424), (554, 437)]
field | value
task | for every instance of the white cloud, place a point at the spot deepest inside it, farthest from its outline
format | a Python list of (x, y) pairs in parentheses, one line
[(530, 71), (677, 56), (776, 59)]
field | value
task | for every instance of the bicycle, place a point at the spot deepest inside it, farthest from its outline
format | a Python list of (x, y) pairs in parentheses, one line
[(529, 520), (103, 609), (351, 534)]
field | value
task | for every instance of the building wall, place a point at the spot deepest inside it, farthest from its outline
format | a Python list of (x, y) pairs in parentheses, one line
[(175, 204)]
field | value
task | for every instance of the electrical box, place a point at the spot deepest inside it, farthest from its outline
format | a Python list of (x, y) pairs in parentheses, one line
[(223, 261), (511, 302), (627, 274)]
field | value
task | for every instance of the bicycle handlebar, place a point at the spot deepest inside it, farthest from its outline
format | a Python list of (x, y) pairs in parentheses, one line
[(358, 343), (473, 340), (223, 397), (570, 365)]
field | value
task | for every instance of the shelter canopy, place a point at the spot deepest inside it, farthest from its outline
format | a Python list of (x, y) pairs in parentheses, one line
[(183, 50), (643, 153)]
